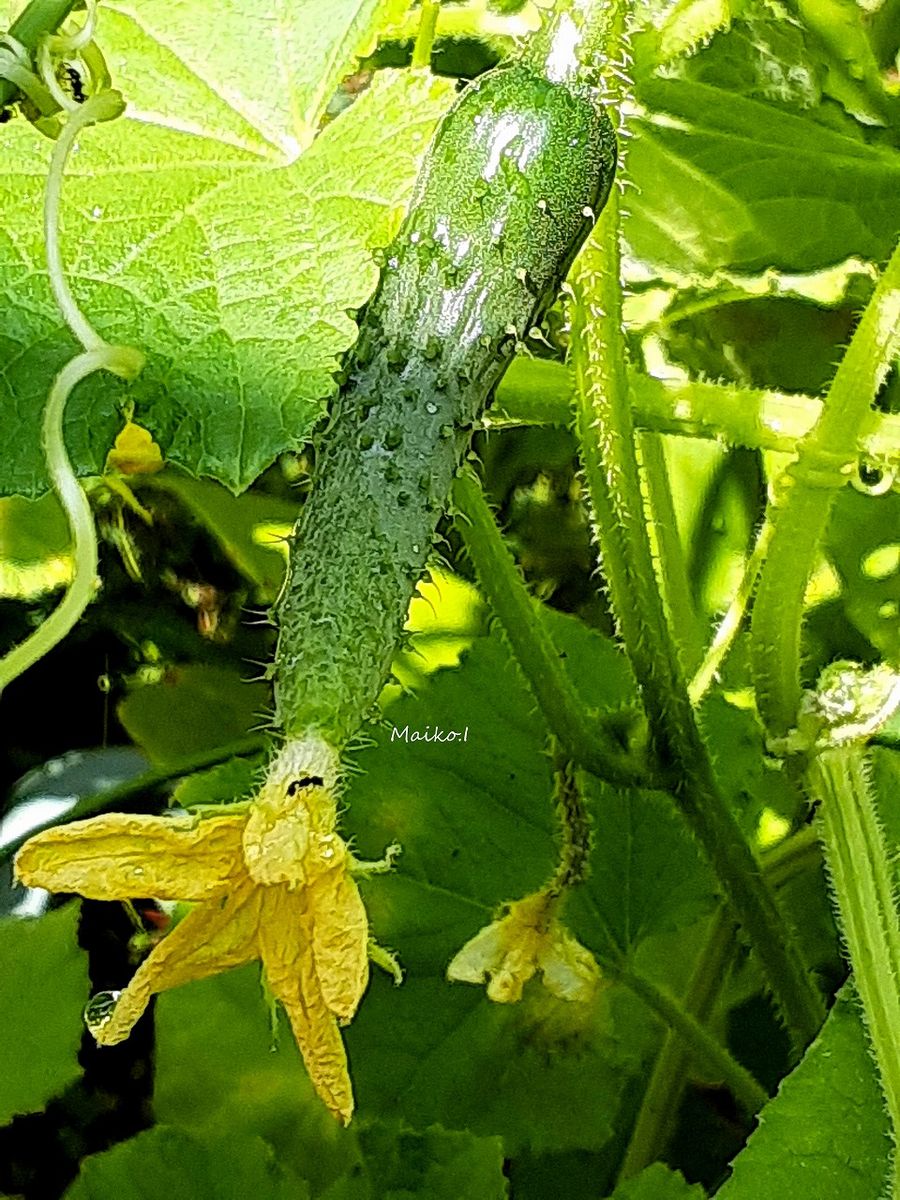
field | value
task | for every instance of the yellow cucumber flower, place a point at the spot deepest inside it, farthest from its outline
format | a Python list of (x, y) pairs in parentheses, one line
[(271, 883), (529, 939)]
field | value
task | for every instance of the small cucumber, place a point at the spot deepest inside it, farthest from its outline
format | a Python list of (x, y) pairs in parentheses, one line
[(507, 193)]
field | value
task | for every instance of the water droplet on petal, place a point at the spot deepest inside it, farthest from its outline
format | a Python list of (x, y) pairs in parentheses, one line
[(99, 1010)]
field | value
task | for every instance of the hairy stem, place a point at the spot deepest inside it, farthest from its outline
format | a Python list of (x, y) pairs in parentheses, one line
[(588, 743), (606, 436), (730, 624), (803, 499), (672, 567), (540, 392), (658, 1113), (575, 828), (860, 867), (696, 1038)]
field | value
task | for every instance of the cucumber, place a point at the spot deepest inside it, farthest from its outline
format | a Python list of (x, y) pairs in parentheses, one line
[(507, 193)]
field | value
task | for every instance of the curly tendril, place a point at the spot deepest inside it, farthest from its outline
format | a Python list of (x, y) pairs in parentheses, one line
[(124, 361)]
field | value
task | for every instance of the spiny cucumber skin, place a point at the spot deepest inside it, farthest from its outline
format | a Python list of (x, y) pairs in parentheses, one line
[(506, 196)]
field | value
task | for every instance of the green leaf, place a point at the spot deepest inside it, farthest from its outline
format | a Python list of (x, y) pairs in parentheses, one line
[(263, 78), (728, 182), (863, 543), (434, 1165), (234, 275), (34, 547), (45, 988), (193, 708), (477, 827), (222, 784), (852, 75), (657, 1182), (754, 340), (165, 1163), (825, 1135), (219, 1067), (251, 529)]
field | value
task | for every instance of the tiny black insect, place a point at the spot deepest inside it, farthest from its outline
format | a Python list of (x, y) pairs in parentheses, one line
[(307, 781), (76, 84)]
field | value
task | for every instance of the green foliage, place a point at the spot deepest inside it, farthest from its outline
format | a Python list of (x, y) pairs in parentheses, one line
[(824, 1137), (229, 226), (191, 709), (658, 1183), (236, 314), (166, 1162), (44, 990)]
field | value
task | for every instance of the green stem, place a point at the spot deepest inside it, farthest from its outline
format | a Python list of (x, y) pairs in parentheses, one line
[(123, 361), (105, 106), (607, 440), (658, 1113), (40, 18), (540, 392), (730, 624), (575, 827), (588, 743), (149, 781), (428, 16), (464, 21), (672, 569), (705, 1048), (860, 867), (803, 498)]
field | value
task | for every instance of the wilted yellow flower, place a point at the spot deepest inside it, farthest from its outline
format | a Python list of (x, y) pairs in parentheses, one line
[(528, 939), (135, 452), (271, 883)]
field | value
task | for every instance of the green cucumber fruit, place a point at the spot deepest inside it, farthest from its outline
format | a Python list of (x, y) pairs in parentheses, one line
[(506, 195)]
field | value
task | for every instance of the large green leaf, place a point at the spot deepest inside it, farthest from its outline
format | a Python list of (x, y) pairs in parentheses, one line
[(220, 1066), (398, 1164), (45, 987), (825, 1135), (236, 277), (728, 181), (259, 77), (476, 824), (864, 546), (658, 1183), (167, 1164), (192, 709)]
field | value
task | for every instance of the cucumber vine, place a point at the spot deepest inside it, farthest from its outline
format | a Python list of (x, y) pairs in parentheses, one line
[(520, 200)]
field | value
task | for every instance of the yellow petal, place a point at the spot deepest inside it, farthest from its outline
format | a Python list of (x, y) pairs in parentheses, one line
[(215, 937), (285, 934), (135, 452), (290, 834), (340, 941), (117, 856), (276, 846), (569, 970)]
